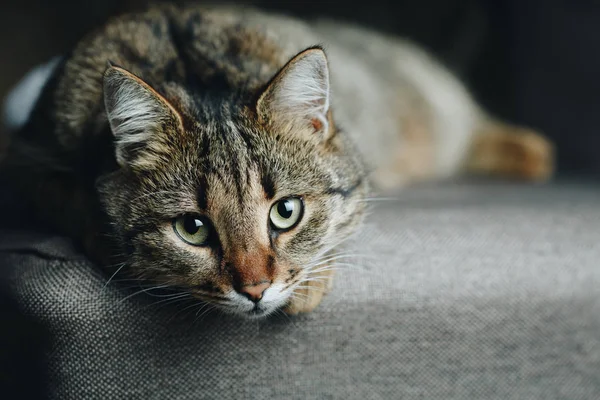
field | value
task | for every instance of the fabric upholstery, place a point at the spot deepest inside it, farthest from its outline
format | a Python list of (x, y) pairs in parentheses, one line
[(460, 291)]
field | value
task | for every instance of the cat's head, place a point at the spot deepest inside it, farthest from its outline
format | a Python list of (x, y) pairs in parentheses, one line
[(236, 202)]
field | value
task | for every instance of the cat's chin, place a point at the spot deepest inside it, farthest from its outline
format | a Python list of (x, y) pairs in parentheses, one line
[(274, 300), (257, 312), (253, 314)]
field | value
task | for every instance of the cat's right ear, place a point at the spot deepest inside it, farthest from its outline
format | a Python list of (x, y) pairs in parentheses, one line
[(297, 98), (138, 116)]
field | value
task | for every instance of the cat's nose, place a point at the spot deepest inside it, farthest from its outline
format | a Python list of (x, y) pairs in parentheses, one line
[(254, 292)]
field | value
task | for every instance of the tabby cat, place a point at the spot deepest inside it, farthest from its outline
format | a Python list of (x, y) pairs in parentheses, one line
[(227, 152)]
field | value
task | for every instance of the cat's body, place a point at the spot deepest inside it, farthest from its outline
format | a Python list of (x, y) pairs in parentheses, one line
[(222, 113)]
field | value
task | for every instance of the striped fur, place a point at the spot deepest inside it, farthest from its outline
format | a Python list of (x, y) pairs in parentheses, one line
[(221, 113)]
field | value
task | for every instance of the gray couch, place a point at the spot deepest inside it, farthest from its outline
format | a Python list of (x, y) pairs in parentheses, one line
[(461, 291)]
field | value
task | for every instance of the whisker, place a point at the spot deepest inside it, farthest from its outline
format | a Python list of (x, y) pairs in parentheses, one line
[(207, 294), (315, 280), (336, 267), (324, 267), (333, 258), (362, 270), (372, 199), (206, 311), (343, 254), (338, 243), (287, 317), (204, 305), (302, 286), (160, 296), (215, 300), (138, 284), (300, 296), (113, 275), (172, 298), (197, 304), (169, 302), (141, 291)]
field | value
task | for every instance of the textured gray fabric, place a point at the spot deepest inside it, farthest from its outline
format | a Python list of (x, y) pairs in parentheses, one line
[(462, 292)]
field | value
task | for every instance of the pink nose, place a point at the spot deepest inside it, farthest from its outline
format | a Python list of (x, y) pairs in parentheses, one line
[(254, 292)]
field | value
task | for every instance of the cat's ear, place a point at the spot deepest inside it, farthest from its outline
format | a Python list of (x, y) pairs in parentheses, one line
[(297, 98), (138, 115)]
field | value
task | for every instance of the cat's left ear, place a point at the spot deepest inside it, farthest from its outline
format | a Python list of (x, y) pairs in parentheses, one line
[(138, 115), (297, 98)]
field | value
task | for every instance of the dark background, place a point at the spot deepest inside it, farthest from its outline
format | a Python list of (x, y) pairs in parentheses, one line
[(533, 62)]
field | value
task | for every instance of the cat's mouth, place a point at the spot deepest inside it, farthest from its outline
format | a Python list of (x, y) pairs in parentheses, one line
[(234, 303), (258, 311), (262, 310)]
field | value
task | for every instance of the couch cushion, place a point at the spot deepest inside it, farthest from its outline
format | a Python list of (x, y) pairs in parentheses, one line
[(461, 291)]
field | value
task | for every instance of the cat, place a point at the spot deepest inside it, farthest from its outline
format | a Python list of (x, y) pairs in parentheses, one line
[(228, 152)]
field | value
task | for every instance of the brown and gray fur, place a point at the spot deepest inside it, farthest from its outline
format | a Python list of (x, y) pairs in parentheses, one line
[(226, 143)]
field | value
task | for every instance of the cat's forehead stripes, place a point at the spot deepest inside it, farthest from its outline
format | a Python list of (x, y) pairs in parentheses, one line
[(201, 197), (240, 224), (268, 183), (234, 160)]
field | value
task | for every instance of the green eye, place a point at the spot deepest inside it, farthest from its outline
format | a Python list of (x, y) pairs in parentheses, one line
[(286, 213), (192, 229)]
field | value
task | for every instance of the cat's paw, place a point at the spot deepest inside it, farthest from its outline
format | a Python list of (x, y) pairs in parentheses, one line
[(309, 294)]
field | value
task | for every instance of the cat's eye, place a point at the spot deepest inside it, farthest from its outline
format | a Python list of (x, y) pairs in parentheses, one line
[(286, 213), (192, 229)]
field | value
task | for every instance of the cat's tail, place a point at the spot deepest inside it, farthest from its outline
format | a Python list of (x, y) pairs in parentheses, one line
[(510, 151)]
